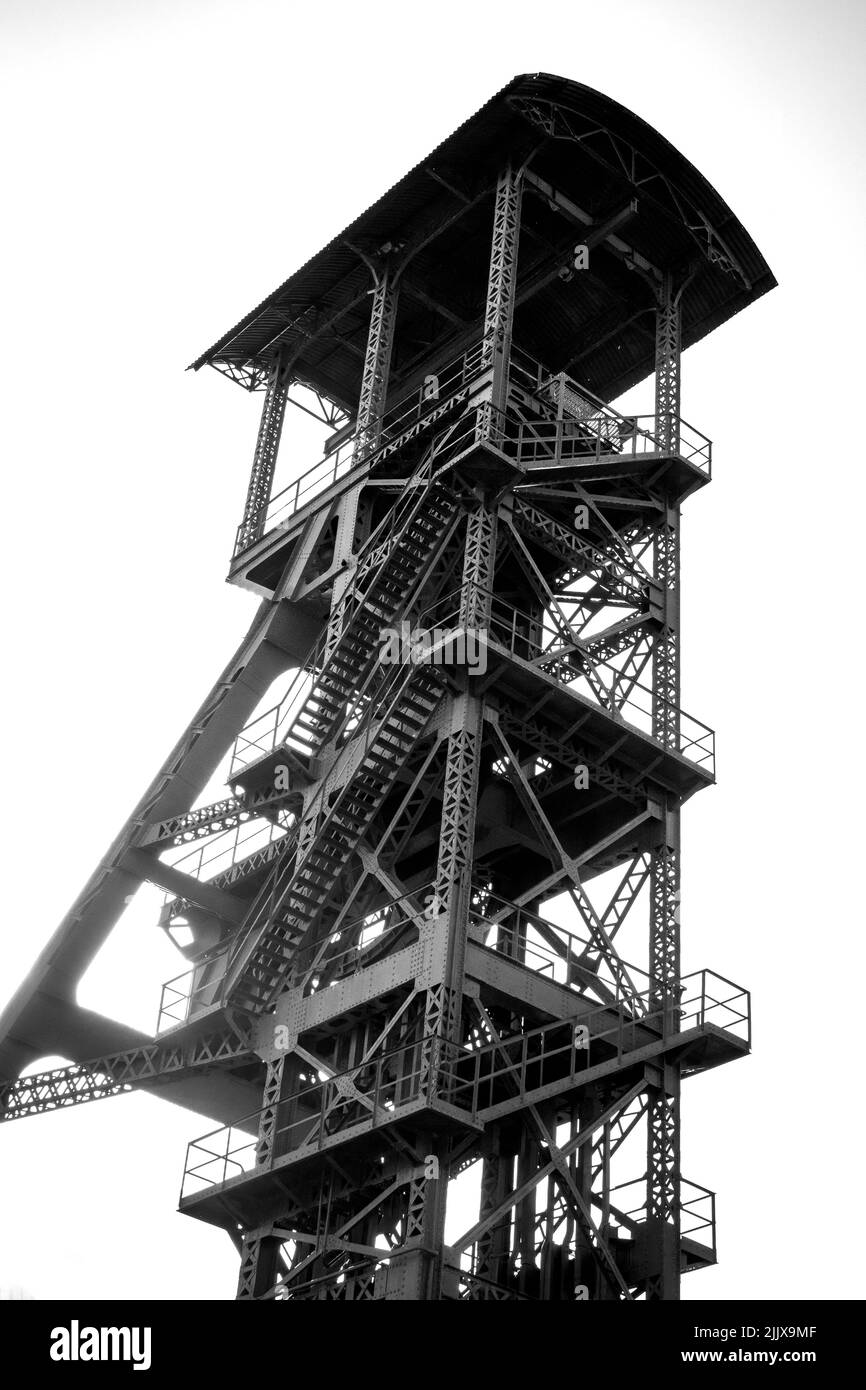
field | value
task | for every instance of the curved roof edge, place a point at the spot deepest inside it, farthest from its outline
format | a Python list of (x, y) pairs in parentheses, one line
[(610, 133)]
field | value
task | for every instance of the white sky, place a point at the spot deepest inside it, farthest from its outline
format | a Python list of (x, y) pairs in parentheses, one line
[(164, 167)]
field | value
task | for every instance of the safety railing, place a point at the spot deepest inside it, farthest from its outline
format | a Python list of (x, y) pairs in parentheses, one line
[(371, 721), (527, 373), (265, 907), (586, 426), (356, 942), (500, 926), (568, 956), (187, 995), (697, 1209), (498, 1072), (519, 935), (429, 404), (534, 640), (233, 846), (471, 1080), (698, 1213), (524, 937), (355, 1283), (558, 1053), (218, 1157), (277, 725), (267, 731), (307, 1121), (555, 442), (478, 1288), (580, 425), (623, 1210), (711, 998), (415, 413), (290, 499)]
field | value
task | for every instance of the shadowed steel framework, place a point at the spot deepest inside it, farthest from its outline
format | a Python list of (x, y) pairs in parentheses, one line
[(431, 935)]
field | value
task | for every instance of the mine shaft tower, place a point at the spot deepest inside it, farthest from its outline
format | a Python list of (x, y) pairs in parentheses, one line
[(432, 934)]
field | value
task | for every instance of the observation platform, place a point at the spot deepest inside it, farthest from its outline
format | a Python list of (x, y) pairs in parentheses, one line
[(614, 714), (552, 428), (228, 1176)]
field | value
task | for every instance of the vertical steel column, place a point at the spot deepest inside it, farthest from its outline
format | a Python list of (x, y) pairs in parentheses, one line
[(259, 1254), (377, 361), (663, 1122), (265, 458), (526, 1165), (453, 887), (371, 408), (492, 1250), (417, 1275), (667, 538), (443, 1005), (258, 1271), (478, 563), (668, 335), (459, 804), (274, 1090), (501, 286), (454, 872), (587, 1269), (663, 1183)]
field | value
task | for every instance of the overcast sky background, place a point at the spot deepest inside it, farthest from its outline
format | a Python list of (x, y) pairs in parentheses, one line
[(164, 167)]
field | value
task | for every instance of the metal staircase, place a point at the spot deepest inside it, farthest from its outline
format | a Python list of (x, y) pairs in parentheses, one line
[(290, 903), (395, 574), (391, 569)]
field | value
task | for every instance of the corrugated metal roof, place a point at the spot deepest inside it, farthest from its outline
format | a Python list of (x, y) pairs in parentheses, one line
[(596, 152)]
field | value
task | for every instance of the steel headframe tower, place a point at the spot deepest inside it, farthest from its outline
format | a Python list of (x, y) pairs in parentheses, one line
[(434, 929)]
